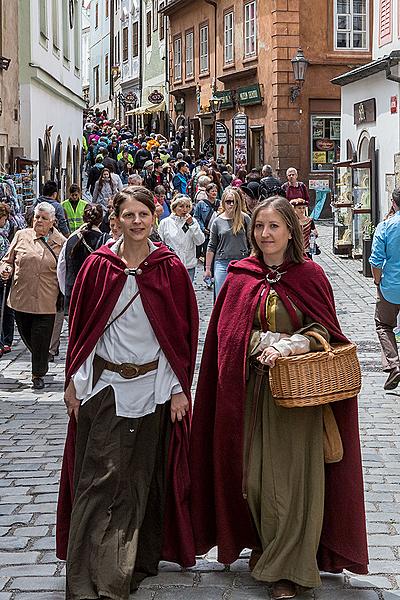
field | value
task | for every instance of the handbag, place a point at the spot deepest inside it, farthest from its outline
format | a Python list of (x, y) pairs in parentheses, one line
[(60, 296), (316, 377), (332, 442)]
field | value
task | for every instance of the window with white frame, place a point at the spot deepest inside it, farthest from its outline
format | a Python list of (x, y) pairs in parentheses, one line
[(189, 54), (351, 24), (203, 35), (250, 29), (228, 37), (177, 59)]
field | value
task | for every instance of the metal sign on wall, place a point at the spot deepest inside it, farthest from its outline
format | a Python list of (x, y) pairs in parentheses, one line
[(221, 141), (240, 141), (365, 112)]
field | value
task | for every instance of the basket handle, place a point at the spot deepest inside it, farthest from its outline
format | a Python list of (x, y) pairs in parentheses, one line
[(326, 346)]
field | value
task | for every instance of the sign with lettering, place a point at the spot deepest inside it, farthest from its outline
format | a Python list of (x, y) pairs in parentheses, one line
[(251, 94), (365, 112), (240, 141), (226, 98), (393, 105), (221, 141)]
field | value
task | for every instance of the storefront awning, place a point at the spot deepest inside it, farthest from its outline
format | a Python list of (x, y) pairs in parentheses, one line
[(147, 110)]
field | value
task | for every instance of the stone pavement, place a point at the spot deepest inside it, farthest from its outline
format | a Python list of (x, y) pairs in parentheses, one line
[(32, 430)]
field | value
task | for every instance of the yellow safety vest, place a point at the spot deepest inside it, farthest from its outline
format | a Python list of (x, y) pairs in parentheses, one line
[(75, 217)]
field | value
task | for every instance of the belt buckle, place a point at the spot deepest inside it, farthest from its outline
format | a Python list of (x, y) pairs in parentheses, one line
[(128, 371)]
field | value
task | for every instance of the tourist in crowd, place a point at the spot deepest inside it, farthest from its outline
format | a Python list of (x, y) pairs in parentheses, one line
[(228, 237), (50, 195), (74, 208), (269, 184), (32, 262), (259, 479), (226, 175), (205, 209), (115, 228), (7, 330), (307, 224), (126, 171), (250, 191), (182, 233), (160, 196), (135, 179), (78, 247), (142, 156), (167, 177), (104, 189), (201, 192), (130, 364), (108, 162), (385, 263), (181, 179), (293, 188), (94, 173)]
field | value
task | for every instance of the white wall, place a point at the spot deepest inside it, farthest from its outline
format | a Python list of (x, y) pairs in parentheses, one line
[(386, 129), (129, 14), (99, 47)]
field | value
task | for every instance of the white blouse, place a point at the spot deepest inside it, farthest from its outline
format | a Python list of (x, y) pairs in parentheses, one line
[(130, 339)]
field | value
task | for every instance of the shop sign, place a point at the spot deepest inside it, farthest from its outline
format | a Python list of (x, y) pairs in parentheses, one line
[(221, 140), (240, 140), (325, 144), (155, 97), (318, 184), (365, 112), (226, 98), (180, 106), (251, 94), (393, 105)]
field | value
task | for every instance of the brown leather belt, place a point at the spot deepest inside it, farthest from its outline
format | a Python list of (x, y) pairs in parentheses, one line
[(128, 370)]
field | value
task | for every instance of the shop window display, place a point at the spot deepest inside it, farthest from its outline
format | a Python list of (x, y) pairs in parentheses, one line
[(325, 142)]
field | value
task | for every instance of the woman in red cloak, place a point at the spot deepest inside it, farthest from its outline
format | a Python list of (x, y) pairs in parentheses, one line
[(258, 474), (123, 500)]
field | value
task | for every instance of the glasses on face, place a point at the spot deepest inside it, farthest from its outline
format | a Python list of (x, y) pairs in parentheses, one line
[(229, 202)]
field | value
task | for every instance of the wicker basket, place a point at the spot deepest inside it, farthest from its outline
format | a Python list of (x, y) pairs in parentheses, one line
[(316, 377)]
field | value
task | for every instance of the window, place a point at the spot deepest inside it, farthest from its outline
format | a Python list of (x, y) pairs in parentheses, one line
[(155, 19), (135, 39), (43, 18), (65, 29), (177, 59), (106, 68), (96, 15), (148, 28), (118, 54), (385, 22), (189, 54), (228, 38), (203, 35), (107, 8), (325, 142), (55, 23), (96, 82), (351, 24), (125, 33), (161, 29), (77, 40), (250, 24)]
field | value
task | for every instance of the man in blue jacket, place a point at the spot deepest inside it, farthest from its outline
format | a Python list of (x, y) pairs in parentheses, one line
[(181, 179), (385, 262)]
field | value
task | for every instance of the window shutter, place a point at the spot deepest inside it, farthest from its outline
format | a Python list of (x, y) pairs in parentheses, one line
[(385, 22)]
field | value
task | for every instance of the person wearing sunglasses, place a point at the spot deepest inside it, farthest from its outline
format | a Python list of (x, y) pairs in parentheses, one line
[(228, 237)]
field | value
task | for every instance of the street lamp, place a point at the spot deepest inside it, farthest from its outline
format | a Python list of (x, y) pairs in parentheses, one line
[(215, 105), (299, 66), (4, 63)]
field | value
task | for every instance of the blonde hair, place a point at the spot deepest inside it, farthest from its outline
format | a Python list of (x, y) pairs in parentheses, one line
[(238, 216), (180, 199)]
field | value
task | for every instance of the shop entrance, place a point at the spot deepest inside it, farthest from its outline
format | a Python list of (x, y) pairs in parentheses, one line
[(257, 147)]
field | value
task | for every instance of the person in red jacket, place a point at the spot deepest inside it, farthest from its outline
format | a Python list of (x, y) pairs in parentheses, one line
[(129, 369), (258, 475)]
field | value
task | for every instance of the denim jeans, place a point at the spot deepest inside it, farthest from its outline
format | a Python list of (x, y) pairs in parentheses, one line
[(220, 273), (192, 273)]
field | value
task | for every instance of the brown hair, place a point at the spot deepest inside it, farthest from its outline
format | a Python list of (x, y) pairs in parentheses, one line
[(73, 188), (4, 210), (295, 248), (92, 215), (135, 192)]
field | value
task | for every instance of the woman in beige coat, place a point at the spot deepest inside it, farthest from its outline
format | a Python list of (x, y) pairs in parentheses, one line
[(32, 262)]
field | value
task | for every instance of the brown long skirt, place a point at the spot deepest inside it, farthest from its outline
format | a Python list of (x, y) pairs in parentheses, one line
[(117, 516)]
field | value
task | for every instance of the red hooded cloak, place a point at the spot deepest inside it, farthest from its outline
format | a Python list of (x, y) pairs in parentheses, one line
[(220, 515), (169, 302)]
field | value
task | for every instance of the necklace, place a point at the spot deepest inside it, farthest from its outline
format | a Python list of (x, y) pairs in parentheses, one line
[(274, 275)]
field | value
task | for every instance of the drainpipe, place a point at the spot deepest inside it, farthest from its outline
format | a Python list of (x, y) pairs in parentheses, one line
[(214, 4), (111, 61), (141, 54), (167, 96)]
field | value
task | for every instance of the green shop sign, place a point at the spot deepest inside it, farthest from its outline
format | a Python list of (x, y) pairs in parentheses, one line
[(226, 98), (250, 94)]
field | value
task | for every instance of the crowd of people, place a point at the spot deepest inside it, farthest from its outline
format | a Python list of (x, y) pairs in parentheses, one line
[(144, 479)]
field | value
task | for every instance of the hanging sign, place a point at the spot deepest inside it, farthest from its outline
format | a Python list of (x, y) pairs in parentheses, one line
[(365, 112), (221, 141), (240, 140), (393, 105)]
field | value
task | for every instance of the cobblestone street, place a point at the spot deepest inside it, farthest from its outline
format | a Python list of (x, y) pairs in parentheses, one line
[(33, 426)]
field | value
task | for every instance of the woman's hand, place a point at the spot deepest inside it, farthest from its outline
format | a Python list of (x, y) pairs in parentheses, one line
[(189, 220), (179, 406), (269, 356), (6, 273), (71, 401)]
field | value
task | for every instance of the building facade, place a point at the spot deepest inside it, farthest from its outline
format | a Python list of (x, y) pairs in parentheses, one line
[(51, 87), (128, 43), (85, 51), (101, 36), (243, 52), (9, 85)]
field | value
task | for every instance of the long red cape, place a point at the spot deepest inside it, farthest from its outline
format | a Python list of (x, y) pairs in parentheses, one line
[(220, 515), (169, 302)]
